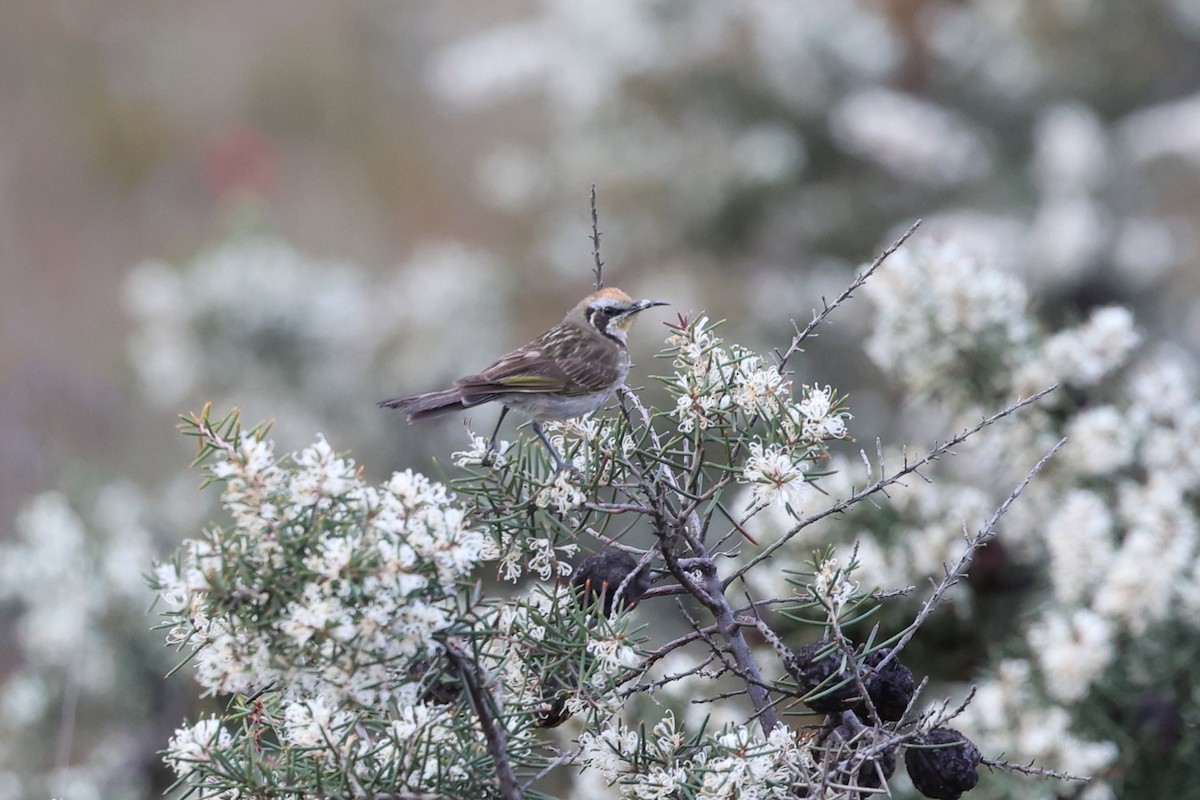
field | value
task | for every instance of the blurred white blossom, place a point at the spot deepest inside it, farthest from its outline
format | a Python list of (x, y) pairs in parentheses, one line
[(1080, 539), (912, 138), (941, 312), (1083, 355), (1072, 651)]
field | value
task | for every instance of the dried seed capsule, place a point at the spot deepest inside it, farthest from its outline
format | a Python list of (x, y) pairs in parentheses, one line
[(812, 669), (601, 575), (891, 688), (943, 772)]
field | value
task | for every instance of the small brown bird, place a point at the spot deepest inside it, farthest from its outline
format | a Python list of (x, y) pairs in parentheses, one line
[(568, 371)]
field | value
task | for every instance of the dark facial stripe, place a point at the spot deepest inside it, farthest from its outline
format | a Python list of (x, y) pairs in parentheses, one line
[(600, 318)]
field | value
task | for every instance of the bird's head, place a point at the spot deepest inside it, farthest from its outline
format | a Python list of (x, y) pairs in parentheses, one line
[(610, 311)]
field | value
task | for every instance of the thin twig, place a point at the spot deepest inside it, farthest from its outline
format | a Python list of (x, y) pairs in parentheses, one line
[(1030, 769), (598, 271), (827, 308), (883, 483), (959, 570)]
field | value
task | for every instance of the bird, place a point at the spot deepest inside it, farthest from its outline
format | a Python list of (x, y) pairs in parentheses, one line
[(566, 372)]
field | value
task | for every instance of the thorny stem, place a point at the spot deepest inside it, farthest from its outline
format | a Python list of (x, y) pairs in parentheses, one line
[(827, 308), (1030, 769), (598, 271), (959, 569)]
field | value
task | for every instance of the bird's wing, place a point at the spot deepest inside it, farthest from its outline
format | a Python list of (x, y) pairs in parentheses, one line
[(548, 364)]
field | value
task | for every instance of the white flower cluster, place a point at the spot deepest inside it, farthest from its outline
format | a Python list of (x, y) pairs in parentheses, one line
[(1072, 649), (713, 381), (194, 745), (1083, 356), (333, 591), (322, 583), (833, 586), (737, 763), (593, 445), (776, 476), (942, 314), (1113, 517), (193, 328), (912, 138), (74, 603), (924, 529), (478, 450)]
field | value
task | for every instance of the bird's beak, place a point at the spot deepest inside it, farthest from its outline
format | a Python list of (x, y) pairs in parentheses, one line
[(642, 305)]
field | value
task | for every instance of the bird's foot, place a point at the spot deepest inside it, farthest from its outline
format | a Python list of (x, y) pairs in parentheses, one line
[(489, 457)]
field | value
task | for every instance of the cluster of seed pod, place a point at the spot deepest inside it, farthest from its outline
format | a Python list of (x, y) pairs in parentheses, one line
[(941, 762)]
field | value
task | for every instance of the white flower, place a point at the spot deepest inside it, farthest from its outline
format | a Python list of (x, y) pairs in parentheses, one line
[(333, 556), (194, 746), (320, 474), (660, 783), (760, 390), (1072, 649), (910, 137), (942, 312), (833, 585), (1080, 540), (1082, 356), (1100, 441), (776, 477), (815, 417), (313, 724), (561, 493), (613, 654), (1138, 588), (474, 455), (712, 381)]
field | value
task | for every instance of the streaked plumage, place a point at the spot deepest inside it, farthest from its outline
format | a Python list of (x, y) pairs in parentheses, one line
[(566, 372)]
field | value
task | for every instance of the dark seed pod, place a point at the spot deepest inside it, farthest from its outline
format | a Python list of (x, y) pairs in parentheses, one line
[(812, 669), (891, 688), (601, 575), (945, 766), (885, 762)]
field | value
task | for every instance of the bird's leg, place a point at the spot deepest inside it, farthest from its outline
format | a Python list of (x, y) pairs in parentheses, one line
[(559, 463), (489, 455)]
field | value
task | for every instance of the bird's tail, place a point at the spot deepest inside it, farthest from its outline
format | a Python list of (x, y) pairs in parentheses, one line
[(430, 404)]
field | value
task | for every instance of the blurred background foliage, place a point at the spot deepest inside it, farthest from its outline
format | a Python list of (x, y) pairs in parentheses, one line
[(301, 207)]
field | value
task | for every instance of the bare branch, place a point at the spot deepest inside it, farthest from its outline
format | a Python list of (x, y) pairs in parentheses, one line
[(1030, 769), (482, 702), (598, 270), (827, 308)]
